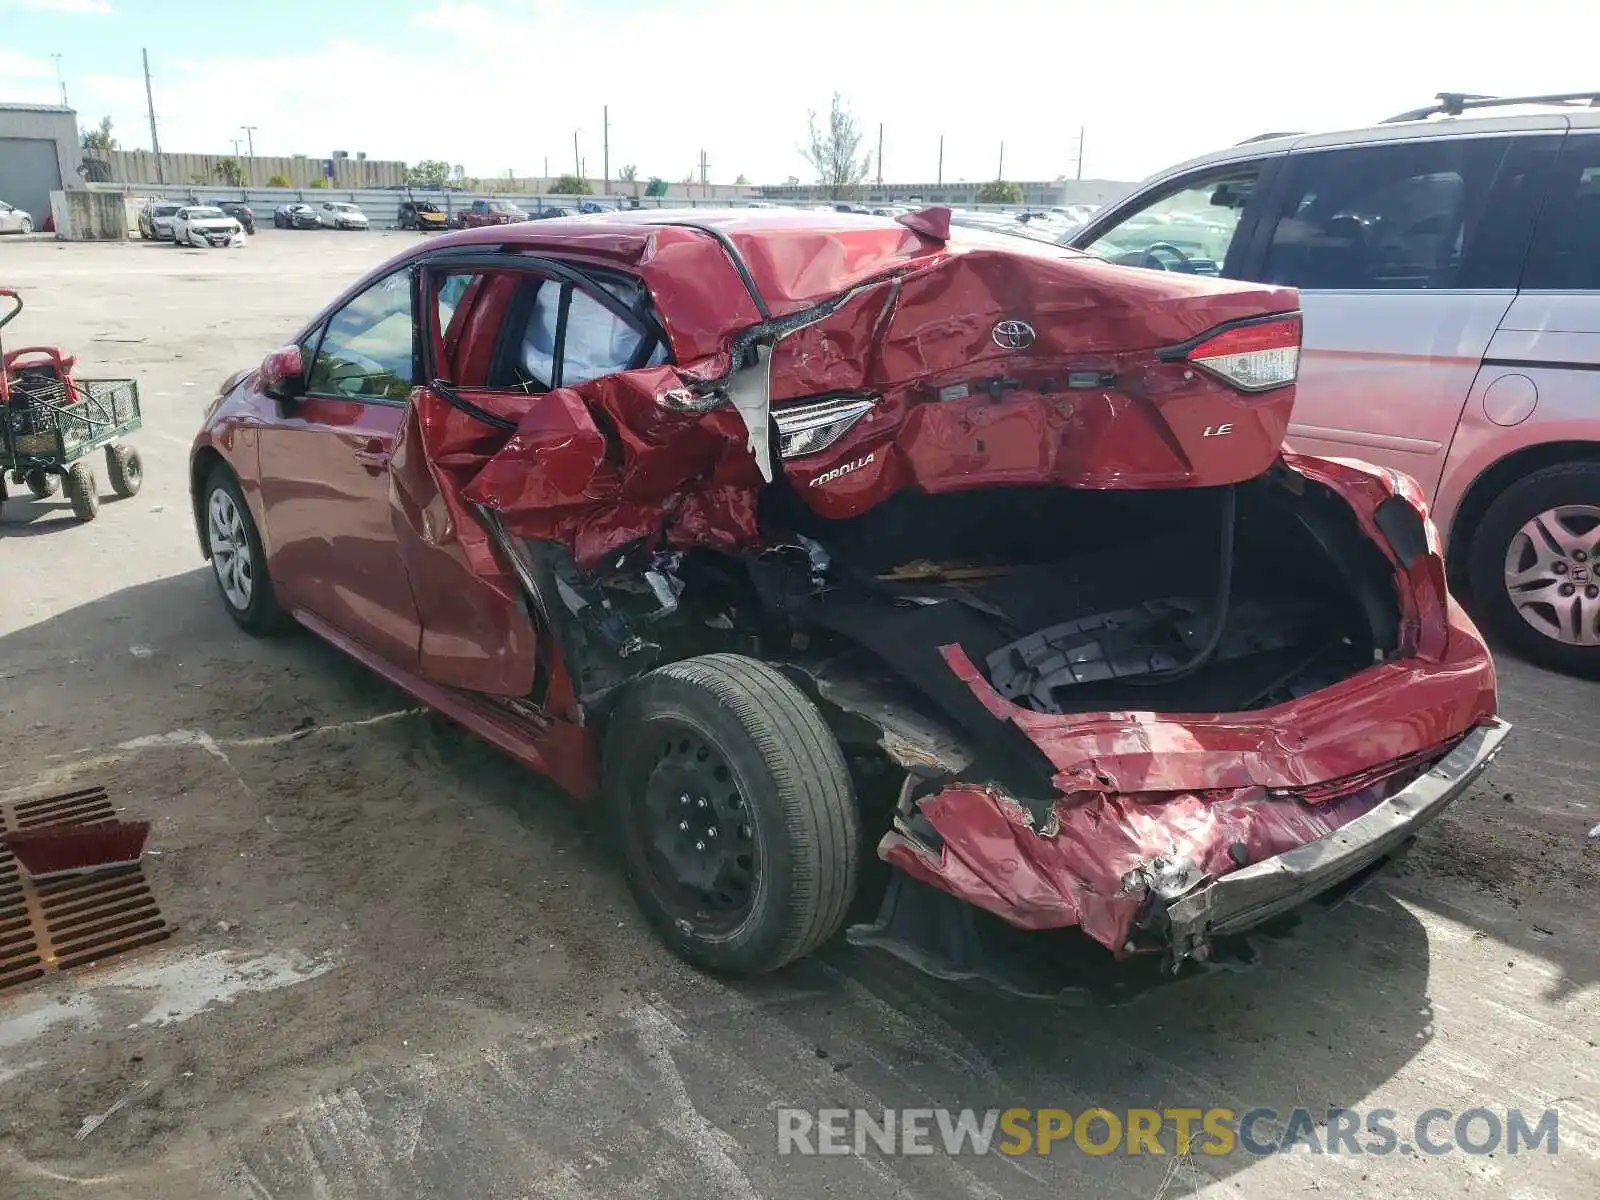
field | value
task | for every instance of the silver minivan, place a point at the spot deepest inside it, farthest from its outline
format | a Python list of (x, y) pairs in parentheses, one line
[(1448, 262)]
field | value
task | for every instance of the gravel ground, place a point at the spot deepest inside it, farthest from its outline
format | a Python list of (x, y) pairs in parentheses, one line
[(405, 969)]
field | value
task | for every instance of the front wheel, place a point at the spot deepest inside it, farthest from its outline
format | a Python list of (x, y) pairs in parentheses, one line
[(1534, 567), (237, 559), (83, 491), (42, 483), (26, 226), (735, 813), (124, 468)]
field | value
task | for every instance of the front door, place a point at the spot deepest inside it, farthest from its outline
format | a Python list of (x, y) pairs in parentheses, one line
[(325, 474), (1406, 256)]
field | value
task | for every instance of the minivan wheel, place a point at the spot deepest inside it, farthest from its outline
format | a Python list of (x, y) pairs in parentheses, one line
[(734, 812), (238, 561), (1534, 567)]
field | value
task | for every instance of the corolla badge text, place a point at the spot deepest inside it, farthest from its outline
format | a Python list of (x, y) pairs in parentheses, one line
[(845, 469)]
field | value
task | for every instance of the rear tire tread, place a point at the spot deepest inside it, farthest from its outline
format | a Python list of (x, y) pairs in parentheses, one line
[(809, 776)]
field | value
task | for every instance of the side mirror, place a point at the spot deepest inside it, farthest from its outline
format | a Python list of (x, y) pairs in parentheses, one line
[(283, 373)]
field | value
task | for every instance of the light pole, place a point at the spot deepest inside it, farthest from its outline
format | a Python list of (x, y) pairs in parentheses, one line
[(60, 82), (250, 138)]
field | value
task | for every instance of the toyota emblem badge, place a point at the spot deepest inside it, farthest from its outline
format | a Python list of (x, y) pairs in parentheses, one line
[(1012, 335)]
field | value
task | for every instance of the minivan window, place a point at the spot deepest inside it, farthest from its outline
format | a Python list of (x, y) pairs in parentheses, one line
[(1187, 230), (1566, 245), (1398, 217)]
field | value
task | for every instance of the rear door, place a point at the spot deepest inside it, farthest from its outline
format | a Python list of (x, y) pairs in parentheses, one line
[(503, 335), (1406, 254)]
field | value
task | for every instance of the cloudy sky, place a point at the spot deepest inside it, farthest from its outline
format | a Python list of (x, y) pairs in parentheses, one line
[(500, 85)]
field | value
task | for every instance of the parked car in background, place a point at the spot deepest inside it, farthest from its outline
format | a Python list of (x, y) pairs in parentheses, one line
[(155, 220), (14, 220), (206, 227), (295, 216), (1040, 611), (1448, 263), (491, 212), (333, 214), (422, 215), (238, 210), (555, 210)]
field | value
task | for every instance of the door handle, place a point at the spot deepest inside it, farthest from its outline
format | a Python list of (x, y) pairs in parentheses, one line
[(373, 457)]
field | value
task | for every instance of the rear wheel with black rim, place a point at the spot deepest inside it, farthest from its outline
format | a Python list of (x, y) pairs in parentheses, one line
[(1534, 567), (735, 813)]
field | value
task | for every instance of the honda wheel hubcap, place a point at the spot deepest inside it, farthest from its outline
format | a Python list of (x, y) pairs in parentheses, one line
[(1552, 575)]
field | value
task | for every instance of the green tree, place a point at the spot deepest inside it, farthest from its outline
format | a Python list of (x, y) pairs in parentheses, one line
[(571, 185), (739, 180), (630, 176), (280, 180), (1000, 191), (319, 182), (229, 171), (99, 139), (429, 173), (656, 187), (831, 150)]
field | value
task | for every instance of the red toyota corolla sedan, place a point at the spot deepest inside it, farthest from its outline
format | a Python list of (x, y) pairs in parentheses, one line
[(789, 536)]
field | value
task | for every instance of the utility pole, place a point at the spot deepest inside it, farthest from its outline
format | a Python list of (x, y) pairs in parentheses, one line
[(1001, 174), (250, 138), (155, 142), (940, 179), (704, 169), (60, 82), (880, 155), (605, 149), (546, 181), (1080, 151), (577, 166)]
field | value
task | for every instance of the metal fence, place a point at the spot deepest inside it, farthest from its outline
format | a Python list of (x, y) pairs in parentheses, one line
[(382, 206)]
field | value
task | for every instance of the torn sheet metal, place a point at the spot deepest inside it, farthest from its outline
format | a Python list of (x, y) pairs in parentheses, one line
[(1108, 849)]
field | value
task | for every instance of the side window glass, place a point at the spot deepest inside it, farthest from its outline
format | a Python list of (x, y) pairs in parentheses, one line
[(1400, 217), (1566, 246), (1186, 230), (368, 350)]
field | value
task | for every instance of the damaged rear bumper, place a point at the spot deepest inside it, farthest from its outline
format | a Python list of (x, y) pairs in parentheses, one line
[(1244, 899)]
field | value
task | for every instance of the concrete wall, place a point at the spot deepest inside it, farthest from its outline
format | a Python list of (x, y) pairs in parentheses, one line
[(84, 216), (143, 167)]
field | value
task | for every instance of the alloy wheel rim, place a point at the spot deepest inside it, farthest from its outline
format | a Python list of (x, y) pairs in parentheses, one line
[(1552, 576), (230, 551), (698, 836)]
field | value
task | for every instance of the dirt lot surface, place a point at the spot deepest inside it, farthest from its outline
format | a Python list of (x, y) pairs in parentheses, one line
[(404, 968)]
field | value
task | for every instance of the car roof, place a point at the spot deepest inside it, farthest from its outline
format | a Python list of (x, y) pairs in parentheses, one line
[(1518, 119)]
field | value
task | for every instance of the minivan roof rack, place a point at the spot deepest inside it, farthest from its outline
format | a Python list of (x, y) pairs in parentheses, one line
[(1267, 137), (1454, 104)]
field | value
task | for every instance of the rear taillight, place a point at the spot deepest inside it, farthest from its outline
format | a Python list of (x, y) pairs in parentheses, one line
[(1254, 357)]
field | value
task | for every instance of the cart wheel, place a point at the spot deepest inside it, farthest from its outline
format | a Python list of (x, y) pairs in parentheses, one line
[(41, 483), (83, 491), (124, 469)]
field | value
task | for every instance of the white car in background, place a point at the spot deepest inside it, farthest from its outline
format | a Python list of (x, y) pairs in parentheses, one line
[(203, 226), (14, 220), (155, 220), (331, 214)]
